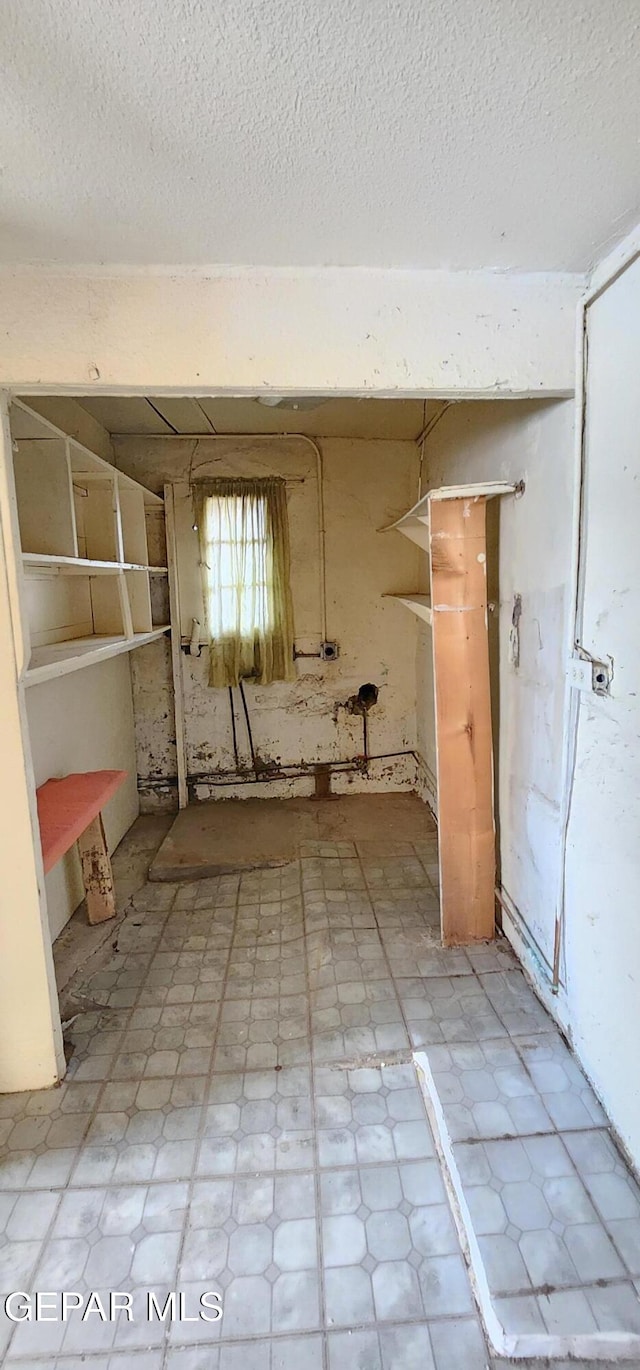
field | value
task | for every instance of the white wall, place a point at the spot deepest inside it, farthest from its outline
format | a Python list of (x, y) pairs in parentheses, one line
[(530, 441), (248, 330), (366, 485), (31, 1050), (603, 846), (84, 722)]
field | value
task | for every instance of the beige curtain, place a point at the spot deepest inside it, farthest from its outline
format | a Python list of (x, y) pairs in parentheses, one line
[(245, 561)]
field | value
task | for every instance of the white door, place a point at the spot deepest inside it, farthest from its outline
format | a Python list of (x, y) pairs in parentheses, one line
[(603, 858)]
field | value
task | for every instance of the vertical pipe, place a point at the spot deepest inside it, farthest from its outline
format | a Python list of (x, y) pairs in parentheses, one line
[(233, 727), (249, 733)]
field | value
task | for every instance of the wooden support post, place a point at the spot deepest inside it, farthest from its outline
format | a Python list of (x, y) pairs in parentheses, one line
[(463, 719), (96, 872)]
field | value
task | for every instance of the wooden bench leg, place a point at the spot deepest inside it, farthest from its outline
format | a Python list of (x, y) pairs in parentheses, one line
[(96, 873)]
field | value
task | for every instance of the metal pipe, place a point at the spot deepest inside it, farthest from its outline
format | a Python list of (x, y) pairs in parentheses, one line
[(280, 437), (290, 771), (423, 435), (246, 715), (233, 728)]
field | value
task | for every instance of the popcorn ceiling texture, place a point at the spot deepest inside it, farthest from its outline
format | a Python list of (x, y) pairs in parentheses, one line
[(283, 133)]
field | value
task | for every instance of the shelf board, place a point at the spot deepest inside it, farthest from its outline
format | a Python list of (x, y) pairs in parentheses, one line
[(415, 523), (82, 566), (482, 489), (60, 658), (84, 462), (419, 604)]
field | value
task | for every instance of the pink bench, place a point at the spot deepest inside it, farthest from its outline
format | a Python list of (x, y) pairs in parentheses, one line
[(69, 810)]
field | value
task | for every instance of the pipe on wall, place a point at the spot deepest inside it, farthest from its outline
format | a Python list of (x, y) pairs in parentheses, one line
[(319, 465)]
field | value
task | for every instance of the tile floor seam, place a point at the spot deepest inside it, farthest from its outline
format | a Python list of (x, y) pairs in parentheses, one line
[(463, 1248), (476, 1307), (194, 1175), (125, 1028), (528, 1136), (606, 1128), (314, 1116), (135, 1354), (517, 1039), (90, 1117)]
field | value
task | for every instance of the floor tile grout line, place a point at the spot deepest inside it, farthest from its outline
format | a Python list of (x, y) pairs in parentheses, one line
[(90, 1116), (431, 1133), (477, 1308), (542, 1290), (135, 1354), (194, 1175), (316, 1148), (515, 1040), (318, 1170), (108, 1081)]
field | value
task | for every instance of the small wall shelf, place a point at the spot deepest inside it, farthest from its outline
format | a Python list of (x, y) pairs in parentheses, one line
[(419, 604), (415, 523), (85, 531), (81, 566), (49, 662)]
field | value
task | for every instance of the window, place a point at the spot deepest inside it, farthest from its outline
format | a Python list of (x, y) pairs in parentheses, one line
[(244, 554)]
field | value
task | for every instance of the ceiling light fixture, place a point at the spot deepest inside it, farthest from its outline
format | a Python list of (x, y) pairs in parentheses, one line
[(290, 402)]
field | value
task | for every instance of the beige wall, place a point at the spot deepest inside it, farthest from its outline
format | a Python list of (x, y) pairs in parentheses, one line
[(366, 485), (84, 722)]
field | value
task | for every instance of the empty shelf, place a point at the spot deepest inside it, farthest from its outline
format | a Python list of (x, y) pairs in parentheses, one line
[(60, 658), (82, 566), (419, 604), (415, 523)]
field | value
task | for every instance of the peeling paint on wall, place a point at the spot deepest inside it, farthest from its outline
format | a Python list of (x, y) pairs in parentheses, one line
[(367, 484)]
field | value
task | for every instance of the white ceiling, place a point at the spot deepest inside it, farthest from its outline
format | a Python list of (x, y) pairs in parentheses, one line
[(345, 418), (419, 133)]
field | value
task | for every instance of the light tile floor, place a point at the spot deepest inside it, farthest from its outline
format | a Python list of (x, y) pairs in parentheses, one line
[(241, 1113)]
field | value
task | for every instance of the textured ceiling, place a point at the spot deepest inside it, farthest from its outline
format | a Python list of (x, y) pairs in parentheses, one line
[(342, 418), (419, 133)]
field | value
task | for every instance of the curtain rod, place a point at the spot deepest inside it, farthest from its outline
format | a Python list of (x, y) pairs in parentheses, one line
[(288, 480)]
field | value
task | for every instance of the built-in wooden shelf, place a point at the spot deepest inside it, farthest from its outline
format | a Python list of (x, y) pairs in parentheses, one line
[(415, 523), (88, 533), (419, 604), (81, 566), (60, 658)]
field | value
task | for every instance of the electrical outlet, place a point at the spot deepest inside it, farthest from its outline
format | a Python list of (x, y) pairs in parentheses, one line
[(590, 675), (329, 651), (601, 677)]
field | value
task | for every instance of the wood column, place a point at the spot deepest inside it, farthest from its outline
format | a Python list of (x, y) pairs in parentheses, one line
[(466, 831)]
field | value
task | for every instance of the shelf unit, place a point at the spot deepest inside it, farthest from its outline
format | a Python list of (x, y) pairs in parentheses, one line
[(415, 523), (86, 531), (449, 524), (419, 604)]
